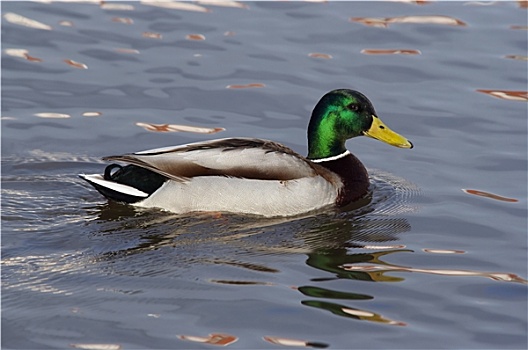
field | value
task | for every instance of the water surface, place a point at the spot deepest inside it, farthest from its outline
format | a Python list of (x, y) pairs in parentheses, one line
[(435, 257)]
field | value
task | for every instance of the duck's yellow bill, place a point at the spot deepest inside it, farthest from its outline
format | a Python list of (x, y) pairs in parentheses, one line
[(380, 131)]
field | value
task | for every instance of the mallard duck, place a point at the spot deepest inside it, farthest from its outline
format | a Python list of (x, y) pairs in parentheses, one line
[(255, 176)]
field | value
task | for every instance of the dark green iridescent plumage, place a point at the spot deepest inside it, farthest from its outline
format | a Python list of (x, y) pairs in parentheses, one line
[(339, 115)]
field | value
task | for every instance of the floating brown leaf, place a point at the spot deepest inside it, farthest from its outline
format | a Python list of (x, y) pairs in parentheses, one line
[(33, 59), (490, 195), (390, 52), (178, 128), (124, 20), (245, 86), (221, 339), (507, 94), (384, 22), (151, 35), (195, 37), (320, 55), (76, 64), (517, 57), (66, 23)]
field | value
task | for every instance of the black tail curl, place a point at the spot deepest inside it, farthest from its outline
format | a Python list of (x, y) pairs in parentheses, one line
[(134, 176), (130, 175)]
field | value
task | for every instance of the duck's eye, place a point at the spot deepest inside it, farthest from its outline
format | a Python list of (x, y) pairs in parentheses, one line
[(353, 107)]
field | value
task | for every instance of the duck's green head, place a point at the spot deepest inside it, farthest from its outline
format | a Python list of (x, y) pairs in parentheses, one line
[(341, 115)]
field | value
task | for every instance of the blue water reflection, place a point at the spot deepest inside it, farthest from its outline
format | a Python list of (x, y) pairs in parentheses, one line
[(434, 257)]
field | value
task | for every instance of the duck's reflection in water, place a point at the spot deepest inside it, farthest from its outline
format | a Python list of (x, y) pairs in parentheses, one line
[(333, 241)]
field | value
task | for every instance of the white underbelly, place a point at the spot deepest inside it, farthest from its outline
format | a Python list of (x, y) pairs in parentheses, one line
[(228, 194)]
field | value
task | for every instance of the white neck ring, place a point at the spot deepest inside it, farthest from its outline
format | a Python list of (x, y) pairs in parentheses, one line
[(339, 156)]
